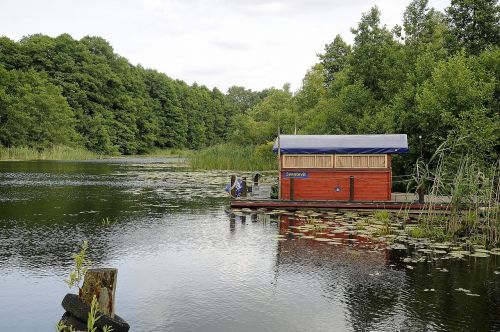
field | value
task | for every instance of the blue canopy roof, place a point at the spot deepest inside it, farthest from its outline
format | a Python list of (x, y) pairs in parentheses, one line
[(343, 144)]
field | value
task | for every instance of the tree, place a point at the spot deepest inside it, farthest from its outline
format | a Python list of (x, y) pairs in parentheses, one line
[(335, 58), (474, 25), (33, 112), (377, 59), (312, 89)]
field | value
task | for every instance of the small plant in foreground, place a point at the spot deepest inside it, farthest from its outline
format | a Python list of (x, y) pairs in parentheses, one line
[(61, 327), (82, 264), (94, 317)]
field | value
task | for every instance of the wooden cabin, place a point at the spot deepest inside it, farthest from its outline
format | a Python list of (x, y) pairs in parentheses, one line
[(337, 167)]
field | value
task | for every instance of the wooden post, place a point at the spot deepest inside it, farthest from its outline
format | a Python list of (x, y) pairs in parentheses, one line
[(256, 178), (279, 161), (244, 187), (102, 284), (232, 189), (351, 188), (292, 189), (421, 196)]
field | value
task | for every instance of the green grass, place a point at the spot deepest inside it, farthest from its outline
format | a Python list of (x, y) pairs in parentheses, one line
[(57, 152), (171, 152), (235, 157)]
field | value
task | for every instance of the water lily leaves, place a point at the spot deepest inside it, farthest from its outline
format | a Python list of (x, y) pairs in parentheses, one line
[(462, 290), (480, 254)]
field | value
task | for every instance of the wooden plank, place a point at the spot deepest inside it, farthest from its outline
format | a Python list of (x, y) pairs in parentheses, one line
[(271, 203)]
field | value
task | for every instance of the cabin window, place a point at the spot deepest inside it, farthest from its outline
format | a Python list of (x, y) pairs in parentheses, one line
[(308, 161), (360, 161)]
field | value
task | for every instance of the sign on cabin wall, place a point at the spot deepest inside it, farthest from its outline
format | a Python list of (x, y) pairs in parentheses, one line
[(296, 175)]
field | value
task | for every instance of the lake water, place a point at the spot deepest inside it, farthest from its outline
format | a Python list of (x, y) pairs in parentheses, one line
[(186, 264)]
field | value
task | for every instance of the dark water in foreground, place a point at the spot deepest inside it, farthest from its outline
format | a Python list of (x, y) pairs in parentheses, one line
[(186, 265)]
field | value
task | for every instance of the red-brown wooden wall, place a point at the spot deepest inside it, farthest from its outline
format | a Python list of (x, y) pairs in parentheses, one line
[(321, 184)]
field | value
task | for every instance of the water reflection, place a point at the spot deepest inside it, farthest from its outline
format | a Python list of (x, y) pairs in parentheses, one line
[(187, 264)]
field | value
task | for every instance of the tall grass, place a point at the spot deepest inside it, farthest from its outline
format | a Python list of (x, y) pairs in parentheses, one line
[(170, 152), (474, 196), (235, 157), (57, 152)]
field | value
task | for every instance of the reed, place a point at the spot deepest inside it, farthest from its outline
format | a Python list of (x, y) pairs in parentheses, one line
[(235, 157), (473, 191), (57, 152)]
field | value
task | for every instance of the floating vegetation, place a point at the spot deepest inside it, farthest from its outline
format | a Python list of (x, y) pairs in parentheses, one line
[(377, 232)]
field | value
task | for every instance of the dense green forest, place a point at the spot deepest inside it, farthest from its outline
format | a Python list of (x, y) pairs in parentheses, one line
[(436, 77)]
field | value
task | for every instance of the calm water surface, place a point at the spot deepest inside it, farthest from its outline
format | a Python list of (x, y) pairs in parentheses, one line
[(185, 264)]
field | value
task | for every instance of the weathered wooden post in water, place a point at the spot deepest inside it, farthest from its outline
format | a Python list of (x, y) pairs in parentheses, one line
[(101, 284), (232, 188), (244, 187)]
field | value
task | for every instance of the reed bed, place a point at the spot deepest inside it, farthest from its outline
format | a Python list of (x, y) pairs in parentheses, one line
[(57, 152), (473, 191), (235, 157)]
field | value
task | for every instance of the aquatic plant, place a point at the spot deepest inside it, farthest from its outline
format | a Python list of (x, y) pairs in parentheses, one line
[(106, 222), (82, 264), (471, 190), (382, 215)]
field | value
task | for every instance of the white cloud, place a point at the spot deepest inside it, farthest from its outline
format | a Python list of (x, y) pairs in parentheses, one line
[(253, 43)]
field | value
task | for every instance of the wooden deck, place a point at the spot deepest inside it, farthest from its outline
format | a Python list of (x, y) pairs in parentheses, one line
[(297, 205)]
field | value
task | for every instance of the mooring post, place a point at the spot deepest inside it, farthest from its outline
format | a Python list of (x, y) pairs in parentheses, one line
[(102, 284), (351, 188), (244, 187), (232, 190), (421, 195), (256, 178)]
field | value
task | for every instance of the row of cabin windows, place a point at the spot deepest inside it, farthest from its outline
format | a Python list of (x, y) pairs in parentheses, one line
[(338, 160)]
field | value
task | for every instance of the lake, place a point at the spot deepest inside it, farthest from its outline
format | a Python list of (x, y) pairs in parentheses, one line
[(185, 263)]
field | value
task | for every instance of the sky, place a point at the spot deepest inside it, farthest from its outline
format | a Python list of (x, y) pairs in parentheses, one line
[(218, 43)]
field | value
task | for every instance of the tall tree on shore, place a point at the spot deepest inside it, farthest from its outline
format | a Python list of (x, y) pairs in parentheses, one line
[(474, 24), (335, 58)]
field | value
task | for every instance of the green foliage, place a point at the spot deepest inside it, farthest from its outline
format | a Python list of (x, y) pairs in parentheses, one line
[(93, 317), (434, 79), (382, 215), (335, 58), (430, 231), (235, 157), (61, 327), (82, 264), (474, 25), (80, 93), (56, 152)]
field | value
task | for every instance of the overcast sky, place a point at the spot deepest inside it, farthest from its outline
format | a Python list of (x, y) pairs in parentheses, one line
[(218, 43)]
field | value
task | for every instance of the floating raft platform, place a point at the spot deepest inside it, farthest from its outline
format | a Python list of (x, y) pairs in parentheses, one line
[(413, 207)]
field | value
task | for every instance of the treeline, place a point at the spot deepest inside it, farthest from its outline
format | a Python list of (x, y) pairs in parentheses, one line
[(62, 91), (436, 77)]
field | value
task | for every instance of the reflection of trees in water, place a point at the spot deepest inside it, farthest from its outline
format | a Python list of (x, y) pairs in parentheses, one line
[(356, 277), (41, 232), (448, 309)]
